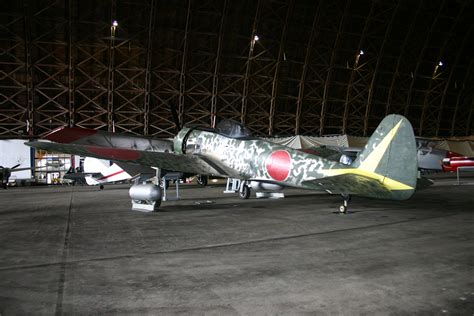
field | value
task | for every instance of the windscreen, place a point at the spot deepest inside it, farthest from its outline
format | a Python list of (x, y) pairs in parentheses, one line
[(232, 129)]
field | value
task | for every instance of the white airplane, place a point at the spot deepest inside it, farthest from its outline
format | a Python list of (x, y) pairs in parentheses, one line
[(99, 172)]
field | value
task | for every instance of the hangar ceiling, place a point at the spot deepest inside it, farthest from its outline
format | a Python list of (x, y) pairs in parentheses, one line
[(281, 67)]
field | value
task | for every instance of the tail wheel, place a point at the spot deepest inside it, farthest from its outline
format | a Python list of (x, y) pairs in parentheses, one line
[(244, 192), (343, 208)]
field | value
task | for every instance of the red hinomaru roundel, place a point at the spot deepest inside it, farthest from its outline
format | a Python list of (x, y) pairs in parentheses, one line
[(278, 165)]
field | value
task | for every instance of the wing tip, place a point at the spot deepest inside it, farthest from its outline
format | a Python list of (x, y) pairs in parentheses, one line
[(66, 135)]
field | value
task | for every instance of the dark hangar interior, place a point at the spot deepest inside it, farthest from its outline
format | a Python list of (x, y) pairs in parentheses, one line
[(280, 67)]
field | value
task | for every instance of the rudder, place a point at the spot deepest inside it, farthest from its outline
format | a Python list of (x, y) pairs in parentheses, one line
[(391, 153)]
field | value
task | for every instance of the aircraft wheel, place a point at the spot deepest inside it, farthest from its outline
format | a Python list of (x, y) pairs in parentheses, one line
[(202, 180), (245, 192), (156, 207), (343, 209), (101, 187)]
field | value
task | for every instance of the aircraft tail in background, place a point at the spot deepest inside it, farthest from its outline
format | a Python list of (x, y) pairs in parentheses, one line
[(100, 172)]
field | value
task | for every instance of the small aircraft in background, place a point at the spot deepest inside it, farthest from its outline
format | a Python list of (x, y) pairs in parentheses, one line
[(97, 172), (101, 172), (455, 161), (5, 173), (385, 169)]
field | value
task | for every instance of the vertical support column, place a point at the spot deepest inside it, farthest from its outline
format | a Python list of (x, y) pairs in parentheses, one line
[(215, 76), (355, 71), (149, 56), (391, 91), (345, 116), (331, 68), (433, 86), (445, 90), (418, 64), (454, 121), (307, 58), (182, 75), (469, 119), (111, 71), (243, 112), (376, 70), (30, 124), (281, 51), (70, 66)]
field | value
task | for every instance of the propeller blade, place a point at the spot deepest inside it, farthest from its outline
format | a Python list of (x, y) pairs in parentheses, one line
[(15, 166)]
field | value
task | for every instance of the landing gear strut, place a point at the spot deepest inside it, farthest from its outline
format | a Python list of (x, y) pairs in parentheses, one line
[(244, 192), (343, 209)]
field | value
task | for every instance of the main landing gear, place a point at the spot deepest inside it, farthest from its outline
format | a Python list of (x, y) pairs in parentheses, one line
[(202, 180), (244, 192), (343, 209)]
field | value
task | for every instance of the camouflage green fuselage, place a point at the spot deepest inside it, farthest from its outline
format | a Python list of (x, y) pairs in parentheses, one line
[(251, 159)]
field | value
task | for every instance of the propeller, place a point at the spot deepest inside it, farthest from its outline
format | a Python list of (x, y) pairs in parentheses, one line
[(15, 166)]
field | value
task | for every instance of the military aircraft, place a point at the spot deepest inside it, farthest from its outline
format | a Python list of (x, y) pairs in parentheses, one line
[(5, 174), (385, 169)]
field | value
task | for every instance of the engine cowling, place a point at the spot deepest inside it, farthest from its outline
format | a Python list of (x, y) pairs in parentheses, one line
[(265, 187), (145, 192)]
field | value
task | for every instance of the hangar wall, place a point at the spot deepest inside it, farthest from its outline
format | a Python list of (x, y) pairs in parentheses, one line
[(14, 152), (281, 67)]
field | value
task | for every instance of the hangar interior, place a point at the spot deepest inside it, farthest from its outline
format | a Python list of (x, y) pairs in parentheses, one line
[(289, 70), (280, 67)]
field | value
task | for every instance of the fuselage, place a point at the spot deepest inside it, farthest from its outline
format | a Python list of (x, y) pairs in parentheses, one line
[(253, 159)]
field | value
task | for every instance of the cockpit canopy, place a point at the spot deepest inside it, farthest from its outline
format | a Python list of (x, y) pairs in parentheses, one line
[(232, 129)]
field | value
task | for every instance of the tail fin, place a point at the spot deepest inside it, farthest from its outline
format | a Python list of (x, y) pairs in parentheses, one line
[(391, 153)]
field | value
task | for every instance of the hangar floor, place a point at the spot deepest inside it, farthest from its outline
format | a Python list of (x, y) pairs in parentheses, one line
[(79, 250)]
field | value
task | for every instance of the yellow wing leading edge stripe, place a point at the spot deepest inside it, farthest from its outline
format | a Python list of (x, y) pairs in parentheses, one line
[(369, 165)]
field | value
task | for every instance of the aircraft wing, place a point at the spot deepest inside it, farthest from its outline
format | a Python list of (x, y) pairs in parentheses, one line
[(164, 160), (350, 184), (20, 169)]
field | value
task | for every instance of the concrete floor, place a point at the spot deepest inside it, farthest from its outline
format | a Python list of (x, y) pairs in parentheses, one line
[(79, 250)]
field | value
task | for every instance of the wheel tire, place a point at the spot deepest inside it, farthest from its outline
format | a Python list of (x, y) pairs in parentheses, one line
[(101, 187), (244, 194), (343, 209), (156, 208), (202, 180)]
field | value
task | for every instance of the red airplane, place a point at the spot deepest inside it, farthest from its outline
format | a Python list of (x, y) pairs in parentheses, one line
[(454, 161)]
